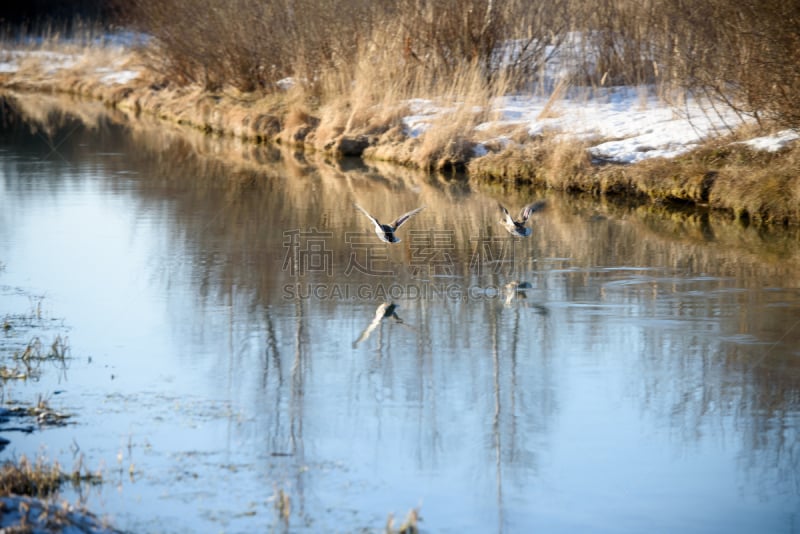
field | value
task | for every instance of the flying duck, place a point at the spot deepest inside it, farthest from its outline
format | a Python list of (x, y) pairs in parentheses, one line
[(386, 231), (517, 227)]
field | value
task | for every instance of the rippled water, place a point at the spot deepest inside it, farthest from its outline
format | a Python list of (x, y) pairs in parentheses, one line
[(236, 330)]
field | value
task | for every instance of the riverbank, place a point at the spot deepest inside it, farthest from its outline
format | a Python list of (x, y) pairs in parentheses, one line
[(617, 141)]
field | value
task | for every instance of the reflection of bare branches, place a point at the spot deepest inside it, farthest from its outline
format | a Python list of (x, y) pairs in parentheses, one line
[(507, 400), (298, 370), (297, 401), (272, 354), (753, 384), (273, 359), (496, 430)]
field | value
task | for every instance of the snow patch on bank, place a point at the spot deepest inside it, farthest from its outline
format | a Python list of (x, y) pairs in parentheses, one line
[(775, 142), (629, 124), (119, 77)]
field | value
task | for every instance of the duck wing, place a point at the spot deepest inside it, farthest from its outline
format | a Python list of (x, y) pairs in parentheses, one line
[(506, 215), (406, 216), (371, 218), (528, 210)]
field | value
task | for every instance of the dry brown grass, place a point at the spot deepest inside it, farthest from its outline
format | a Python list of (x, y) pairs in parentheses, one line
[(354, 62), (550, 109), (768, 191), (724, 174), (350, 59), (554, 163), (516, 165), (25, 478), (251, 44), (759, 186), (567, 164)]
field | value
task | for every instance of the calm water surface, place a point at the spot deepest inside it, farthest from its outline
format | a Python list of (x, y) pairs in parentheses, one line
[(231, 337)]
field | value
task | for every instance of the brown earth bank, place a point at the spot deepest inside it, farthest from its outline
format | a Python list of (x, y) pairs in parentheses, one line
[(754, 186)]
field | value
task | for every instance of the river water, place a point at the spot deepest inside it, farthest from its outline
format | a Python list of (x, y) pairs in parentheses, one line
[(239, 338)]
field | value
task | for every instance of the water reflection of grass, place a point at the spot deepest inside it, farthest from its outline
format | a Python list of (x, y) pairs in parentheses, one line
[(236, 258)]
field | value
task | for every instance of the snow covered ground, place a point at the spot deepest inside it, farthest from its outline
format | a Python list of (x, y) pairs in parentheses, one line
[(630, 124), (627, 124)]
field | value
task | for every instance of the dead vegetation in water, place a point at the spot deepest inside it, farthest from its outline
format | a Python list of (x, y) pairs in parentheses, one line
[(28, 498), (40, 478), (283, 505), (26, 362), (29, 489), (23, 353), (41, 412), (36, 479), (21, 361)]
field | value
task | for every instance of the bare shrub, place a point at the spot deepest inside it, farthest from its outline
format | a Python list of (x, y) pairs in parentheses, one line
[(745, 54), (252, 44), (360, 55), (511, 38), (612, 43), (248, 44)]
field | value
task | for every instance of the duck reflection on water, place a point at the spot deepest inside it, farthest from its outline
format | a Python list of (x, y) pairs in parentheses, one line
[(385, 311), (516, 291)]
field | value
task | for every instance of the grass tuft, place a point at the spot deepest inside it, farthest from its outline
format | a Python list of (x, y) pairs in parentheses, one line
[(25, 478)]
